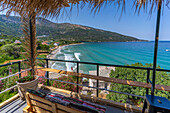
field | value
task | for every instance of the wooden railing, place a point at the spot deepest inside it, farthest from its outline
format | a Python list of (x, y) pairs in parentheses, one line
[(147, 85), (108, 79)]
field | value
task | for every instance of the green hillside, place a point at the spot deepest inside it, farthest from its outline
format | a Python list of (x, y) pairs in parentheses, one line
[(61, 31)]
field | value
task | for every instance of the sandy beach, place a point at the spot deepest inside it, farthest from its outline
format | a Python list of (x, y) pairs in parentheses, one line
[(55, 51), (52, 56)]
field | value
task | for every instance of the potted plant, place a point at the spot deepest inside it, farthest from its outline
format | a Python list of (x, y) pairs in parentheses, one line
[(27, 82)]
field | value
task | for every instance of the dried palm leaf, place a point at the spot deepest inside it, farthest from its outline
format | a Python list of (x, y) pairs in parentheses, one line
[(29, 43), (53, 8)]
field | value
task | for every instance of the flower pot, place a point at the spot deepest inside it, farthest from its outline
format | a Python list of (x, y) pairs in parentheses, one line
[(22, 87)]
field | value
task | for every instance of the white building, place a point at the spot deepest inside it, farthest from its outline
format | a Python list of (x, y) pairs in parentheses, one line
[(17, 42), (56, 44), (1, 40), (104, 72)]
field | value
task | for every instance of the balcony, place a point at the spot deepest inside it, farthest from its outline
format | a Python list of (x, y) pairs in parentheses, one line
[(14, 104)]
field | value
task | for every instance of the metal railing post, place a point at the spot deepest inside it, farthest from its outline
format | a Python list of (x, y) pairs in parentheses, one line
[(148, 76), (97, 91), (156, 46), (47, 74), (77, 78), (19, 69)]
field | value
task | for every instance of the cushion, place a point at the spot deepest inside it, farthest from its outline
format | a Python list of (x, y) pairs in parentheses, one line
[(38, 93), (56, 98)]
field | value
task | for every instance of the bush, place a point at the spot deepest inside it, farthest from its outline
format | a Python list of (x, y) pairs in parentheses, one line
[(42, 80), (1, 59), (67, 86), (6, 95), (139, 75), (26, 79)]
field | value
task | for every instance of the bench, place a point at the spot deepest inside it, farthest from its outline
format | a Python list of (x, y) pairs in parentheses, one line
[(36, 104)]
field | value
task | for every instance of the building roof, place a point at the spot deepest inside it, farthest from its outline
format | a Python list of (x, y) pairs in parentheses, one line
[(17, 42), (56, 44), (45, 43)]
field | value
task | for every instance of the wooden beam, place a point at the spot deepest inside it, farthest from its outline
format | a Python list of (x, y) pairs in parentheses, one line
[(108, 79)]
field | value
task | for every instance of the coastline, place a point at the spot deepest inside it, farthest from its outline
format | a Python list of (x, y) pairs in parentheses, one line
[(52, 56), (55, 52)]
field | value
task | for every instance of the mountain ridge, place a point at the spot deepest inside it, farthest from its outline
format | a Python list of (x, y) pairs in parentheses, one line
[(62, 31)]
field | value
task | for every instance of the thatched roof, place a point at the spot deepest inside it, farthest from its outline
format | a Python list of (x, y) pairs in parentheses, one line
[(52, 8), (43, 7)]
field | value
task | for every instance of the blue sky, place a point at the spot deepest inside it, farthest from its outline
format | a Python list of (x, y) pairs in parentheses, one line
[(141, 26)]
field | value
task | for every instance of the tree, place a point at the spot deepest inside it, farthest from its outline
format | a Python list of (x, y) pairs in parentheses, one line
[(11, 50), (139, 75)]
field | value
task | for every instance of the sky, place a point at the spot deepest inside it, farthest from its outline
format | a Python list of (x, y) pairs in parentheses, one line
[(142, 26), (109, 18)]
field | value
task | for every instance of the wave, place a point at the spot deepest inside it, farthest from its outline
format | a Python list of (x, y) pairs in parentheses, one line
[(66, 54), (59, 66), (77, 55), (70, 66)]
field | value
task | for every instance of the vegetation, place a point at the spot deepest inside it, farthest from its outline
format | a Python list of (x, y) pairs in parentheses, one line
[(66, 42), (41, 46), (139, 75), (7, 83), (67, 86), (9, 50), (7, 95), (4, 71), (26, 79), (42, 80), (12, 50), (64, 31)]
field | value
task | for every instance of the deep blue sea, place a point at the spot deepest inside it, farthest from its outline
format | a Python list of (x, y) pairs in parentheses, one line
[(119, 53)]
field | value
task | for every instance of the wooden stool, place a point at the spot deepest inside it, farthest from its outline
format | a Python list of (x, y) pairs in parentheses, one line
[(156, 104)]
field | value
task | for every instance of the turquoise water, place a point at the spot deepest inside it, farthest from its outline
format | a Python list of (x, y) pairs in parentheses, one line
[(118, 53)]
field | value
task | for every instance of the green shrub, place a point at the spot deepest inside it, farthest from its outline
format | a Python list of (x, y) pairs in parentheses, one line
[(6, 95), (26, 79), (139, 75), (67, 86)]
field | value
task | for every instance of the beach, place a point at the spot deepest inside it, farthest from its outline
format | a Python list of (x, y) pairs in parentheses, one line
[(56, 50), (53, 55), (116, 53)]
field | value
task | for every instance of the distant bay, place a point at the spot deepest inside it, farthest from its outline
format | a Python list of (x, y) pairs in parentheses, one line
[(118, 53)]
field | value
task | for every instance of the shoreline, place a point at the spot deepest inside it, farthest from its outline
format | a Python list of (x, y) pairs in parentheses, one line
[(55, 51), (52, 56)]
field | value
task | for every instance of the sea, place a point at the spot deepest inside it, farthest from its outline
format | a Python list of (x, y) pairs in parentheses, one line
[(117, 53)]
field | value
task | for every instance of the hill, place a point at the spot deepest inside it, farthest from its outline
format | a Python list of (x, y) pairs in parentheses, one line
[(61, 31)]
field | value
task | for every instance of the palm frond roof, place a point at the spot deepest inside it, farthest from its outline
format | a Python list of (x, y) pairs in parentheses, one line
[(52, 8)]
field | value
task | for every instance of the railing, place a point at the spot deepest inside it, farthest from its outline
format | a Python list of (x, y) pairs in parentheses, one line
[(19, 72), (77, 82), (97, 66)]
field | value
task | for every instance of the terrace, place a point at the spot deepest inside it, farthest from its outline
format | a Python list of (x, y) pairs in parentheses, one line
[(14, 104)]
